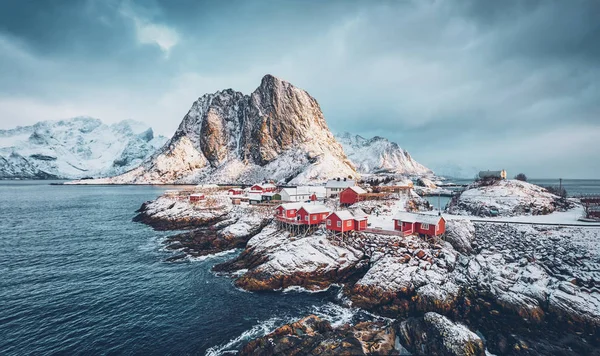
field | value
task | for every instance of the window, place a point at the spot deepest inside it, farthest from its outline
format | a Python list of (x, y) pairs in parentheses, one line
[(328, 222), (314, 217), (306, 218), (425, 226), (348, 223), (339, 224)]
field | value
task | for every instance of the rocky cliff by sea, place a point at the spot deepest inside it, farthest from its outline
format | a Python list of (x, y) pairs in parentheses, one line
[(504, 289)]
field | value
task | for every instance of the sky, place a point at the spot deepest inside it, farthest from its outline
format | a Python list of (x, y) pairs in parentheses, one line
[(462, 85)]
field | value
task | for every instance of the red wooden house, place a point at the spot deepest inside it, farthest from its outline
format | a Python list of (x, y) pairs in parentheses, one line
[(196, 197), (263, 188), (344, 221), (360, 219), (287, 210), (313, 214), (351, 195), (235, 191), (410, 223)]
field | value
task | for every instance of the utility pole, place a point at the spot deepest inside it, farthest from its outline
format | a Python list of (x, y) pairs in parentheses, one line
[(560, 184)]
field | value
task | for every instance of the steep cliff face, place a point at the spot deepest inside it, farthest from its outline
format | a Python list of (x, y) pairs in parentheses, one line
[(277, 132), (378, 155), (75, 148)]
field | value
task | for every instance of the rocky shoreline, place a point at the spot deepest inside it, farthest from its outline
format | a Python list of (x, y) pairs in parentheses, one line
[(527, 289)]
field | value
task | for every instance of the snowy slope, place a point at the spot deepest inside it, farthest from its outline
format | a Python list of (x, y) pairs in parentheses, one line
[(278, 132), (378, 155), (75, 148), (508, 197)]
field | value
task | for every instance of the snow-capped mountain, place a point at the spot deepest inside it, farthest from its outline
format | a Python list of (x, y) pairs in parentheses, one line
[(278, 132), (378, 155), (75, 148)]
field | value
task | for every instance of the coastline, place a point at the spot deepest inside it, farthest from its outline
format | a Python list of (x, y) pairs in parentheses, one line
[(261, 266)]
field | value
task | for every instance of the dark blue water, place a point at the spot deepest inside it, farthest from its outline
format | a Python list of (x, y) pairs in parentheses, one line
[(78, 277)]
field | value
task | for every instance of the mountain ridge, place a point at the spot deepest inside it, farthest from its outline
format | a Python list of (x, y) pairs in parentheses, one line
[(276, 132), (74, 148), (379, 155)]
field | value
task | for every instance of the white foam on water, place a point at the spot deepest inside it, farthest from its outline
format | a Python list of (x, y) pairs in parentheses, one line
[(336, 314), (214, 255), (258, 330), (298, 289)]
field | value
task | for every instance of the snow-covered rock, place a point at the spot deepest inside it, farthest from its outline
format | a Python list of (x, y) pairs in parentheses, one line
[(278, 132), (507, 198), (378, 155), (434, 334), (75, 148), (275, 260)]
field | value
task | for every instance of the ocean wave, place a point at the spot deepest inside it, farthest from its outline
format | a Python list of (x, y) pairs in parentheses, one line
[(258, 330), (214, 255), (336, 314), (298, 289)]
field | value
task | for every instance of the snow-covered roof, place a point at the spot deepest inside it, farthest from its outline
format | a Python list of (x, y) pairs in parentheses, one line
[(296, 191), (196, 195), (269, 194), (334, 183), (420, 218), (265, 186), (290, 206), (358, 190), (315, 208), (254, 197), (358, 214)]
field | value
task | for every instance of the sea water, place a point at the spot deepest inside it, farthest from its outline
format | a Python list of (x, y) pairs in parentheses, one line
[(77, 276)]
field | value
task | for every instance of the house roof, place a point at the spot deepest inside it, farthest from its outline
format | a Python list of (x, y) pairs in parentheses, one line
[(343, 215), (266, 185), (289, 206), (358, 214), (315, 208), (295, 191), (420, 218), (340, 184), (358, 190), (254, 197), (196, 195)]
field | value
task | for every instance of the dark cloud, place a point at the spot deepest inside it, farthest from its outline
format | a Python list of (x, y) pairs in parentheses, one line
[(473, 83)]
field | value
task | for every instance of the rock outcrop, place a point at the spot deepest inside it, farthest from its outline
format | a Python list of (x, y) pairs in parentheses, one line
[(275, 260), (434, 334), (277, 132), (506, 198), (313, 336)]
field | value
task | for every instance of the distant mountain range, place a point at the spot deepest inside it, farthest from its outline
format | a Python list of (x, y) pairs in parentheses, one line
[(378, 155), (278, 132), (75, 148)]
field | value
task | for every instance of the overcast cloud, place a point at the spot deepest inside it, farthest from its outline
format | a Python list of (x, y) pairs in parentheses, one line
[(483, 84)]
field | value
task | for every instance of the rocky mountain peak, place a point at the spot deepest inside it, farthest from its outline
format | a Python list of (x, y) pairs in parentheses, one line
[(277, 132)]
